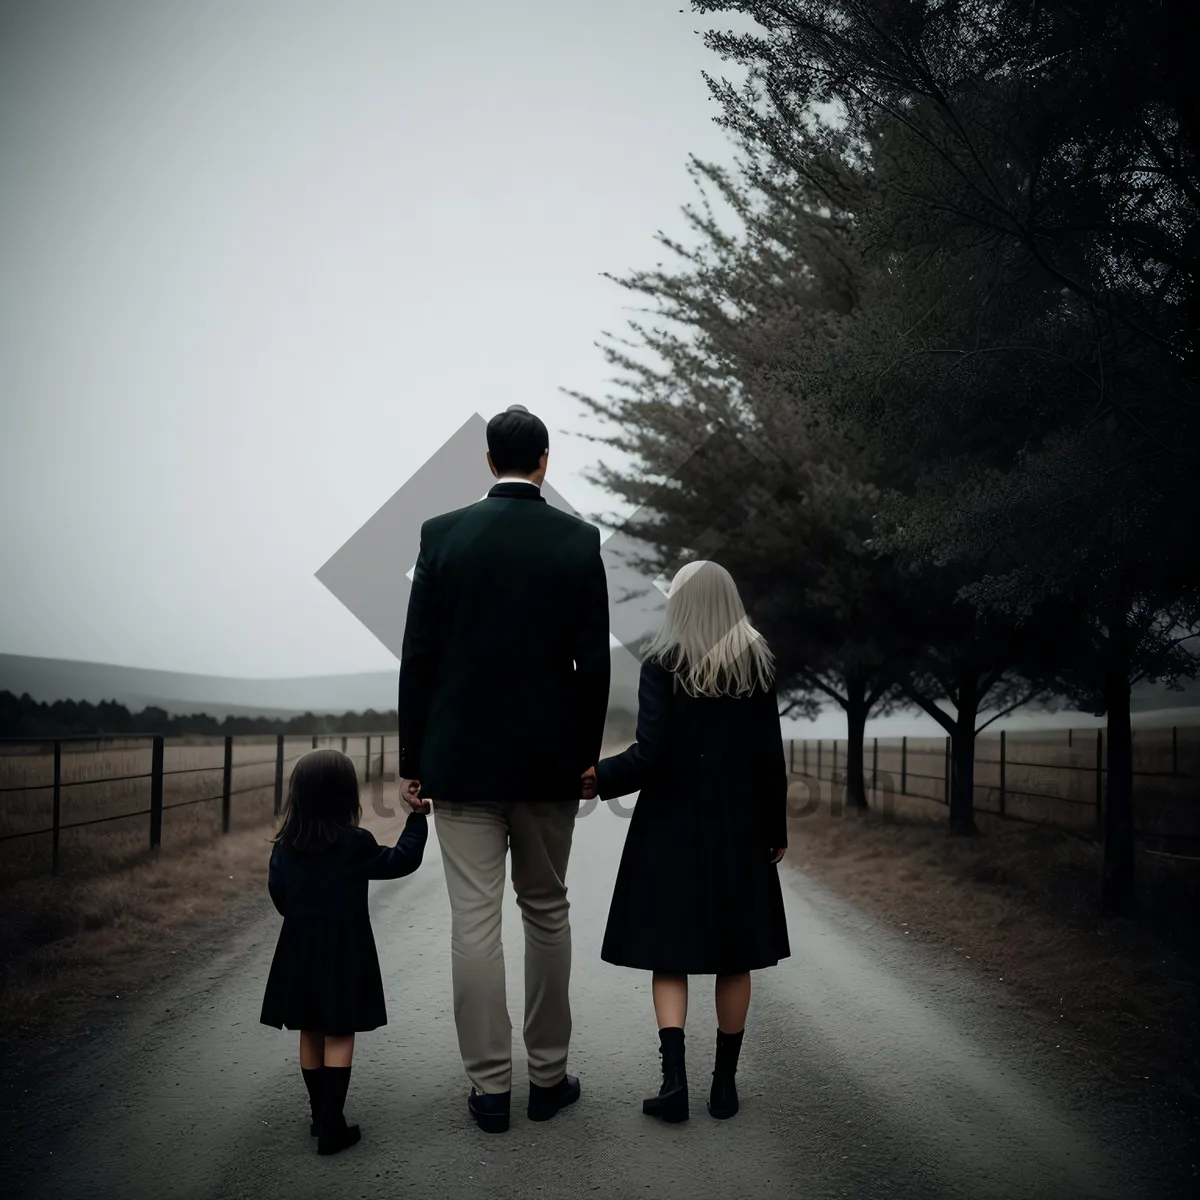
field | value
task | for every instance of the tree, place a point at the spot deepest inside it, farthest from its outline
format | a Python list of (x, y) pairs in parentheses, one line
[(1117, 573), (1046, 515), (1063, 137), (740, 424), (1068, 130), (786, 330), (24, 717)]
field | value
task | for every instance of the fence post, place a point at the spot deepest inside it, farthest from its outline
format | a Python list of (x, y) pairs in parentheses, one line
[(836, 797), (343, 744), (57, 806), (804, 756), (1099, 783), (368, 778), (278, 774), (791, 756), (818, 760), (946, 776), (874, 768), (1002, 759), (314, 741), (156, 793), (904, 765), (227, 786)]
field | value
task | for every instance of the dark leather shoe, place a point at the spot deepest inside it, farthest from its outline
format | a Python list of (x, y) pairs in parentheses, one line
[(544, 1102), (490, 1110)]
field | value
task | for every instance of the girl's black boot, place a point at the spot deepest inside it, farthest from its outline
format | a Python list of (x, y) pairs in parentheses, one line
[(723, 1098), (333, 1134), (312, 1081), (671, 1103)]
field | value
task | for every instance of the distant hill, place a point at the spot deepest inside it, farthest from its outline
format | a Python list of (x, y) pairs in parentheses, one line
[(50, 679)]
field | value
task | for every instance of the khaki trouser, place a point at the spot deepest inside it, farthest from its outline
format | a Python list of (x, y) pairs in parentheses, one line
[(475, 840)]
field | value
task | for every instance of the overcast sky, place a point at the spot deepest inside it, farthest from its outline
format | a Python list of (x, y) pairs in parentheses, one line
[(258, 260)]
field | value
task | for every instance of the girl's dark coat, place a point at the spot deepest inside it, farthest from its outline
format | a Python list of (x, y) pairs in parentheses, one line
[(696, 892), (325, 973)]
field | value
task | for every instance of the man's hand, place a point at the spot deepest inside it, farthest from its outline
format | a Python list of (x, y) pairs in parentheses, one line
[(587, 784), (410, 793)]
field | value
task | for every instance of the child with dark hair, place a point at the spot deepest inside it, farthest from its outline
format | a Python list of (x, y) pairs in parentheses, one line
[(324, 978)]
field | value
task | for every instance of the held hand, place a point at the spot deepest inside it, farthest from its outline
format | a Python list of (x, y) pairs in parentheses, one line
[(587, 784), (410, 793), (777, 855)]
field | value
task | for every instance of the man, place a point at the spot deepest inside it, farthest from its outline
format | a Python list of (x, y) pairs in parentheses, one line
[(504, 678)]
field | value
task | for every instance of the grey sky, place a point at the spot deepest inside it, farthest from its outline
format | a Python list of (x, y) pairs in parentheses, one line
[(260, 260)]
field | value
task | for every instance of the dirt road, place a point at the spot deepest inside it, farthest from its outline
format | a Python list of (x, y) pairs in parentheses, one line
[(872, 1068)]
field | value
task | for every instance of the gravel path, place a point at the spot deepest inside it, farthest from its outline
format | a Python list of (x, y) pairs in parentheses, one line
[(872, 1067)]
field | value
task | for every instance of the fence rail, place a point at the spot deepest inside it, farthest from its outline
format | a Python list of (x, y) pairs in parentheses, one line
[(1035, 778), (372, 762), (1064, 786)]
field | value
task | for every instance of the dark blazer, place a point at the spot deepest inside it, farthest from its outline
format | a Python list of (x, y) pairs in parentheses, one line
[(504, 668)]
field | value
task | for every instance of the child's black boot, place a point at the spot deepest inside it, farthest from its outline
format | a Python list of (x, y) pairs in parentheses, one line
[(671, 1103), (723, 1097), (333, 1134), (312, 1081)]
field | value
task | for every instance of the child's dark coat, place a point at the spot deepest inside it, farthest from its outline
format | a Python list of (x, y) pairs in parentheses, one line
[(696, 892), (325, 973)]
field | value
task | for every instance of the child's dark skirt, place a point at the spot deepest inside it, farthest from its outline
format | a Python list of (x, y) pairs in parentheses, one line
[(325, 976)]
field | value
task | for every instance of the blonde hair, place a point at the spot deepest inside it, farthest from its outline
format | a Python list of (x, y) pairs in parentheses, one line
[(707, 639)]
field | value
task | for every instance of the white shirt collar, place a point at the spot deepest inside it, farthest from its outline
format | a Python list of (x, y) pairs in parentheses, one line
[(516, 479)]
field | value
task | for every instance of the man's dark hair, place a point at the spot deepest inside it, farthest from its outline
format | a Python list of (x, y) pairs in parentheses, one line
[(516, 440)]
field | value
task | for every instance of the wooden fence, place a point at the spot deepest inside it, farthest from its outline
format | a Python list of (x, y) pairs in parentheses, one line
[(1046, 777), (52, 787), (124, 794)]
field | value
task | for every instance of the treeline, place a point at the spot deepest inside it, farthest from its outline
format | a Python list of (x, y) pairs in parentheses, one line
[(22, 716), (934, 400)]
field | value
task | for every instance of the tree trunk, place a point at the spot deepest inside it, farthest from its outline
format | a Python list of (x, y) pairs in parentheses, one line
[(962, 761), (856, 724), (1118, 888)]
